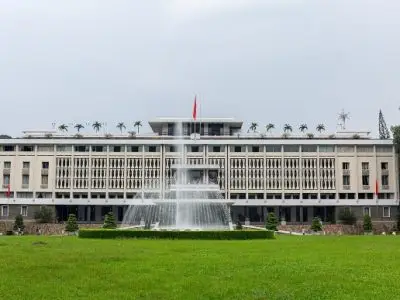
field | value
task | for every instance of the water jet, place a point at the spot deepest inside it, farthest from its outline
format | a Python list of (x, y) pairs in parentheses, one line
[(191, 200)]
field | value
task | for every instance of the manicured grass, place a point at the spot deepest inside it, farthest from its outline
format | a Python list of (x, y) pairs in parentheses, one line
[(316, 267)]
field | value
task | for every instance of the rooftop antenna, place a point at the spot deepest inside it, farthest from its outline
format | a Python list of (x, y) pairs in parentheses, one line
[(343, 117), (53, 125), (383, 130), (104, 125)]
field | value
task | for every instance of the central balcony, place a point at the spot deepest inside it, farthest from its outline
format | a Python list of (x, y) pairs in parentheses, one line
[(196, 167)]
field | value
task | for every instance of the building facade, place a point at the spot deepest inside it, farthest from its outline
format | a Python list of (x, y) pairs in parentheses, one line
[(297, 177)]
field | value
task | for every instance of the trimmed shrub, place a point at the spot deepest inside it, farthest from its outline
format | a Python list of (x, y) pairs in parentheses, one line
[(347, 217), (72, 224), (271, 223), (367, 225), (177, 235), (109, 221), (44, 215), (19, 223), (316, 224)]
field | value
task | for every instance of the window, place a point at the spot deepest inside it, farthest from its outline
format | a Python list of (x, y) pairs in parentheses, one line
[(345, 165), (134, 149), (238, 149), (25, 179), (8, 148), (115, 148), (346, 180), (6, 179), (345, 149), (25, 164), (309, 148), (24, 195), (384, 149), (215, 129), (386, 212), (81, 148), (4, 210), (365, 165), (45, 164), (385, 179), (27, 148), (325, 148), (7, 164), (195, 149), (45, 179), (255, 149), (63, 148), (384, 166), (273, 148), (365, 149), (98, 148), (152, 149), (365, 180), (172, 148), (171, 129), (45, 148), (367, 211), (291, 148), (216, 149), (24, 210)]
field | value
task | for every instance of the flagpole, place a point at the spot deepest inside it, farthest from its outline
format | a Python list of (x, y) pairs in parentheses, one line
[(194, 116), (200, 116), (199, 120)]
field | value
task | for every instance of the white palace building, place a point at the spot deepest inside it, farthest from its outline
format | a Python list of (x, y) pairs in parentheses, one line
[(296, 176)]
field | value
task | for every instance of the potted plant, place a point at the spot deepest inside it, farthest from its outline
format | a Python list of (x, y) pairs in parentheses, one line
[(19, 225), (367, 225), (72, 226), (316, 225), (271, 223)]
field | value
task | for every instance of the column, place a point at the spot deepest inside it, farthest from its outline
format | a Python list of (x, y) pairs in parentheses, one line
[(88, 213), (310, 211), (301, 214), (293, 214)]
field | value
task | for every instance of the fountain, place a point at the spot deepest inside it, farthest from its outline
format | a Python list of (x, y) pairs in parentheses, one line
[(192, 200)]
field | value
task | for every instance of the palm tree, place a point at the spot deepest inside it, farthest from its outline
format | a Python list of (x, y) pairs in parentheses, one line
[(121, 126), (138, 124), (63, 128), (78, 127), (269, 127), (303, 127), (320, 128), (253, 127), (96, 126), (287, 128)]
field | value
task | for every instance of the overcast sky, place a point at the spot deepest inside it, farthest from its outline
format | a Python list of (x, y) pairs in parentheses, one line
[(279, 61)]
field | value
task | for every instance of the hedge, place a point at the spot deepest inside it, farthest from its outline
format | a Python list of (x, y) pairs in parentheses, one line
[(191, 235)]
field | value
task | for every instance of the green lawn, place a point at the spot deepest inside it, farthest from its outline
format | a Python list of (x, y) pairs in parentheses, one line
[(318, 267)]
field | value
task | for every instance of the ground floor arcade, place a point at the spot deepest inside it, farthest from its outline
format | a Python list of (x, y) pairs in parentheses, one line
[(249, 214), (305, 214)]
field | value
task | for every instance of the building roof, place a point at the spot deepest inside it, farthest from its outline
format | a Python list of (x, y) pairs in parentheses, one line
[(158, 122), (208, 140)]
